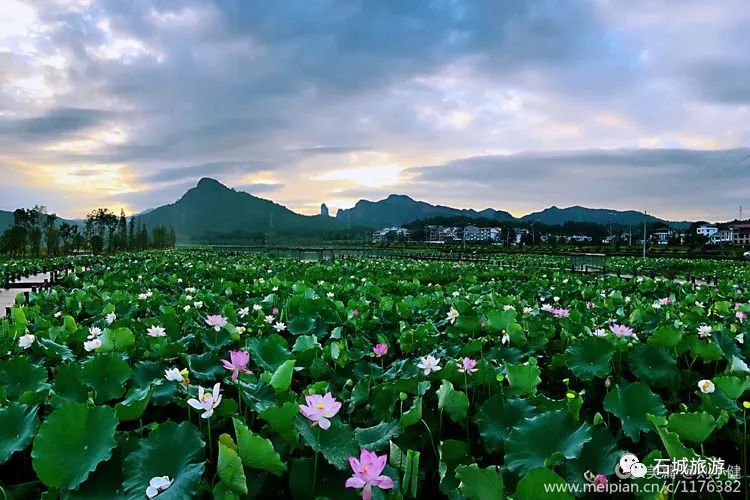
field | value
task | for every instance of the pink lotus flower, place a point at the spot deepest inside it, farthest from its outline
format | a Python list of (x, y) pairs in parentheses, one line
[(355, 313), (275, 311), (467, 365), (600, 482), (380, 350), (319, 409), (621, 330), (238, 363), (741, 316), (589, 305), (216, 321), (560, 313), (665, 301), (368, 473)]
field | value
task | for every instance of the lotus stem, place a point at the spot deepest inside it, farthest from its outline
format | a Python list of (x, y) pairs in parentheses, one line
[(315, 462)]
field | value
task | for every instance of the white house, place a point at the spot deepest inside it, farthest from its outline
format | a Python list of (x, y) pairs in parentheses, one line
[(723, 237), (662, 235), (380, 235), (474, 233), (707, 230)]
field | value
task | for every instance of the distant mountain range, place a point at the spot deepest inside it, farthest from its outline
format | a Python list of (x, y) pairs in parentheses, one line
[(212, 209), (399, 209)]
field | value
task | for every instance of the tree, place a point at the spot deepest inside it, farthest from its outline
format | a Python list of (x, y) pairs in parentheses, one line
[(122, 232), (51, 233), (131, 234)]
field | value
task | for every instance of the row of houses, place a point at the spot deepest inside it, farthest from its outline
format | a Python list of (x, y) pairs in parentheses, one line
[(468, 234), (736, 234)]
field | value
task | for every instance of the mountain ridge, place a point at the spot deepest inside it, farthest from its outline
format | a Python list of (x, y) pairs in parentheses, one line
[(211, 208)]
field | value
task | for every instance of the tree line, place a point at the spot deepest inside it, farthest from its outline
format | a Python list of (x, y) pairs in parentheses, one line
[(35, 231)]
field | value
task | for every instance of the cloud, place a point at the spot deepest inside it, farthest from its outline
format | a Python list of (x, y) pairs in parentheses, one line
[(216, 169), (166, 92)]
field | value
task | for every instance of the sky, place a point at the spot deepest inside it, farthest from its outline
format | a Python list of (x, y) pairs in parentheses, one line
[(513, 105)]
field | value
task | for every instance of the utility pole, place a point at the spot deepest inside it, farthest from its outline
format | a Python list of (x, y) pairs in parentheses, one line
[(630, 235), (644, 233)]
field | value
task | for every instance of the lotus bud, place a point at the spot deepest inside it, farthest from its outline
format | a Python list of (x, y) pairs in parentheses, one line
[(608, 382), (349, 382), (402, 396)]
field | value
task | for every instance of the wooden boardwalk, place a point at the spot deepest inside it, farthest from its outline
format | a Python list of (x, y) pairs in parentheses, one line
[(23, 285)]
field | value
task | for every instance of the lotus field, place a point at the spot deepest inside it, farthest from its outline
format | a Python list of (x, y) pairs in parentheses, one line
[(195, 374)]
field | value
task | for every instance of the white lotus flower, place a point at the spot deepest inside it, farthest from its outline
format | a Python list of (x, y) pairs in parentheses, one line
[(111, 317), (58, 314), (279, 326), (198, 304), (452, 315), (505, 338), (188, 297), (94, 332), (275, 289), (268, 319), (547, 307), (92, 345), (706, 386), (257, 307), (456, 293), (156, 331), (25, 341), (207, 401), (599, 332), (527, 310), (429, 364), (330, 295), (740, 337), (508, 307), (243, 312), (158, 485), (704, 331), (186, 308), (173, 375)]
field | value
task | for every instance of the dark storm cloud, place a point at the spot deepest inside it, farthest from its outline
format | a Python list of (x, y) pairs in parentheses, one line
[(205, 170), (56, 124)]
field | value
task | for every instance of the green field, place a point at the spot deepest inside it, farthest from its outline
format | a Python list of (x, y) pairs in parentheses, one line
[(498, 378)]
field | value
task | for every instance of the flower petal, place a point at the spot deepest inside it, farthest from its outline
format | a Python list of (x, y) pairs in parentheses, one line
[(354, 482)]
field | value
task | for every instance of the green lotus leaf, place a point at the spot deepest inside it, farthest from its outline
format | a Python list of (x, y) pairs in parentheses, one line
[(452, 454), (666, 336), (456, 403), (134, 404), (542, 484), (171, 450), (301, 325), (117, 339), (631, 404), (59, 351), (376, 438), (655, 366), (336, 444), (670, 440), (524, 378), (106, 374), (257, 452), (476, 483), (71, 442), (230, 470), (497, 417), (20, 378), (269, 353), (694, 427), (18, 423), (537, 439), (590, 358), (282, 377)]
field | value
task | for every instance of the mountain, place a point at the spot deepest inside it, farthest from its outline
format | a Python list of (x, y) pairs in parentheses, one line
[(6, 220), (555, 216), (211, 209), (397, 210)]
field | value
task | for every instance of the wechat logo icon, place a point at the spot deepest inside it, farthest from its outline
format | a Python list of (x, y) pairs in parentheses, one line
[(629, 466)]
